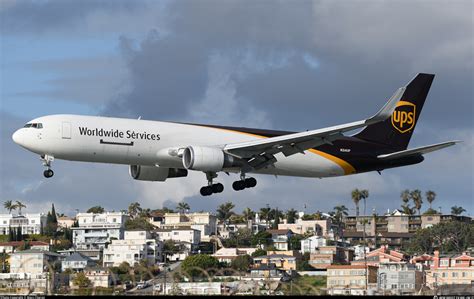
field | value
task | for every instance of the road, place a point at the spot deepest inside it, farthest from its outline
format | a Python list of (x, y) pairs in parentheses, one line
[(159, 279)]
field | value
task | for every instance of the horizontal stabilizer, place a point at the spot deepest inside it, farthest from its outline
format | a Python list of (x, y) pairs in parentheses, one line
[(418, 151)]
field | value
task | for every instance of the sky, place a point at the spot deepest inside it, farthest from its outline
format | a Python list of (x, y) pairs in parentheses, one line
[(287, 65)]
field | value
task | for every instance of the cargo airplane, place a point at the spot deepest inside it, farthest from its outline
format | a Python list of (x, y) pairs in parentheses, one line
[(156, 151)]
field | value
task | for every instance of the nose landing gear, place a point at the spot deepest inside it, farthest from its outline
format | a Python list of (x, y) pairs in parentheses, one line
[(47, 160)]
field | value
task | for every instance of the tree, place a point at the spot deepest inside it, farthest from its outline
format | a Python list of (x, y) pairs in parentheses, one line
[(295, 242), (261, 238), (96, 210), (275, 215), (259, 252), (364, 194), (182, 207), (248, 214), (54, 215), (10, 206), (356, 197), (81, 280), (457, 210), (224, 211), (340, 212), (291, 216), (139, 223), (133, 209), (19, 205), (405, 196), (241, 263), (198, 265), (416, 196), (243, 237), (430, 196), (265, 214), (170, 248)]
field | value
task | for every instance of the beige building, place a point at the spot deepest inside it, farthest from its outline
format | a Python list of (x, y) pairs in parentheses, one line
[(34, 261), (281, 261), (66, 222), (350, 279), (313, 227), (324, 256), (98, 276), (206, 223), (227, 255)]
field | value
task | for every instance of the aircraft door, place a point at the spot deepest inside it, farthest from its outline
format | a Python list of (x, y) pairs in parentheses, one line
[(66, 130)]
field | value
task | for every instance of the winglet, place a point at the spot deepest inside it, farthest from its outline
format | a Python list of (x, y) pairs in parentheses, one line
[(388, 108)]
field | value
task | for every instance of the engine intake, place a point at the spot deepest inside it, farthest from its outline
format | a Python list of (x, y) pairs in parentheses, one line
[(207, 159), (154, 173)]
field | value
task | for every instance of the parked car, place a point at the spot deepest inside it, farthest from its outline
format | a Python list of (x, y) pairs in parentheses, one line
[(141, 285), (157, 287)]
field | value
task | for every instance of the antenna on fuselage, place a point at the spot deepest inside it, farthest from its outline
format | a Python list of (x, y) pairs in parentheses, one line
[(139, 117)]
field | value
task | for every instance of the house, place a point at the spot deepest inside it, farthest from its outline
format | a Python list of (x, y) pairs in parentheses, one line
[(322, 228), (66, 222), (266, 271), (281, 238), (227, 255), (9, 247), (324, 256), (381, 255), (96, 230), (29, 224), (311, 244), (157, 218), (447, 269), (77, 262), (350, 279), (281, 261), (98, 276), (399, 278), (137, 246), (34, 261), (186, 238), (204, 222)]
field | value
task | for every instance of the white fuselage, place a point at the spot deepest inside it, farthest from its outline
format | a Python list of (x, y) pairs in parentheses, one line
[(143, 142)]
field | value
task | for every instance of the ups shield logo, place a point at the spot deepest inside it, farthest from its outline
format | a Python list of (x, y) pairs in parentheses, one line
[(403, 118)]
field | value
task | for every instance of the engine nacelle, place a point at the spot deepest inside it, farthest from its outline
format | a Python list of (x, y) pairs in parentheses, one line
[(154, 173), (207, 159)]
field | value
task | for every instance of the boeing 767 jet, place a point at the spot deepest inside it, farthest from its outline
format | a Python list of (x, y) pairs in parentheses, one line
[(157, 150)]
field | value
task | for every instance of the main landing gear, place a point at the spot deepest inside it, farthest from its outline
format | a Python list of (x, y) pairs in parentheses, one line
[(211, 188), (47, 159), (244, 183)]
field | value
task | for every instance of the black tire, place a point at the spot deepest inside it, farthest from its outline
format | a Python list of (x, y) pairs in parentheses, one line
[(206, 191), (250, 183), (238, 185), (217, 188), (48, 173)]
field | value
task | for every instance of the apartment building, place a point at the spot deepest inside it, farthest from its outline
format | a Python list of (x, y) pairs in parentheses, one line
[(324, 256), (399, 278), (137, 246), (311, 244), (350, 279), (95, 230), (206, 223), (447, 269), (29, 223), (34, 261)]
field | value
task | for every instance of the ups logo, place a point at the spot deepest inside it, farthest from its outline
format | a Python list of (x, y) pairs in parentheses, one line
[(403, 118)]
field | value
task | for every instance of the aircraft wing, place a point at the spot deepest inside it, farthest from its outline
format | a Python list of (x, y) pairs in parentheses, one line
[(419, 150), (260, 153)]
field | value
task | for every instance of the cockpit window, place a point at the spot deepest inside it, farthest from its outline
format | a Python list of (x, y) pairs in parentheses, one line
[(34, 125)]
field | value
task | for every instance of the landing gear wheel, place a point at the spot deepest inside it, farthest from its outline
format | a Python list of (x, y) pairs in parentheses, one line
[(217, 188), (206, 191), (48, 173), (250, 183), (238, 185)]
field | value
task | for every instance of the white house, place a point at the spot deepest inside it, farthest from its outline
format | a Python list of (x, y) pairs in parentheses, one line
[(206, 223), (227, 255), (188, 238), (95, 230), (33, 261), (29, 223), (136, 246), (98, 276), (312, 243), (77, 262)]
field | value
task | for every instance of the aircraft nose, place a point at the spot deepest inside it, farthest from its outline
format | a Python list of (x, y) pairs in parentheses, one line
[(17, 137)]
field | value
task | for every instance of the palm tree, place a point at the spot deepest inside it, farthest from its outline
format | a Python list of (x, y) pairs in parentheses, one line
[(291, 215), (224, 211), (364, 194), (430, 196), (415, 195), (356, 197), (133, 209), (248, 214), (19, 205), (265, 213), (10, 206), (340, 212), (457, 210), (182, 207)]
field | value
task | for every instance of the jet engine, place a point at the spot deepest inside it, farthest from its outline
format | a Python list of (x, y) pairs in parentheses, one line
[(207, 159), (154, 173)]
